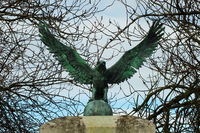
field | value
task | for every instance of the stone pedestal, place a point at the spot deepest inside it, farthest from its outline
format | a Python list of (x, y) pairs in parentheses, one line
[(98, 124)]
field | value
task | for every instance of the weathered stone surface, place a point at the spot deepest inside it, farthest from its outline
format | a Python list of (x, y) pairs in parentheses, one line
[(98, 124)]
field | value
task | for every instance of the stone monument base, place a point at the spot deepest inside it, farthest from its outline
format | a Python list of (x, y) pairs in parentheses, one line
[(98, 124)]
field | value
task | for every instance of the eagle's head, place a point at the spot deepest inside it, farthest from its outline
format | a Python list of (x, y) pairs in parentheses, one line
[(101, 66)]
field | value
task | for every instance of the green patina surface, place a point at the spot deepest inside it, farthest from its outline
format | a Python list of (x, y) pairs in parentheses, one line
[(100, 76), (97, 108)]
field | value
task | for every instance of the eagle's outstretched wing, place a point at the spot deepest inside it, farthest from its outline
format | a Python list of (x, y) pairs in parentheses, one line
[(67, 56), (134, 58)]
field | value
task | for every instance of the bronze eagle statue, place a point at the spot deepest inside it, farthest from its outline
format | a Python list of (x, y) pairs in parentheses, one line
[(100, 76)]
